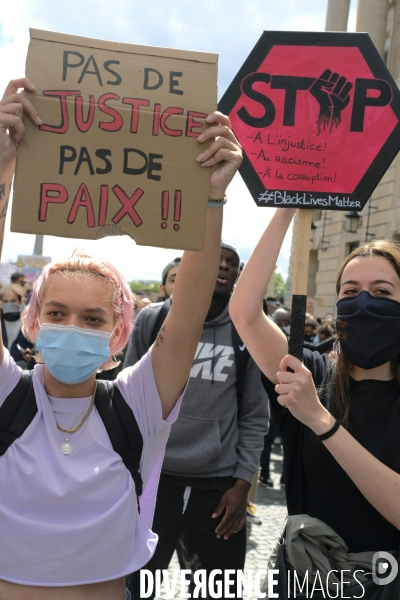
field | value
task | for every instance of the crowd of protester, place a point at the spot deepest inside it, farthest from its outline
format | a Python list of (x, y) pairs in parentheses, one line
[(83, 455), (206, 482), (178, 484), (123, 444), (14, 297)]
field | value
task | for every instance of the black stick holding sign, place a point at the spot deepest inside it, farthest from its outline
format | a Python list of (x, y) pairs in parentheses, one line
[(300, 281)]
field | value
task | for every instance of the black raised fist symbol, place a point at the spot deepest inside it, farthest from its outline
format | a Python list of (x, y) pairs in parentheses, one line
[(332, 92)]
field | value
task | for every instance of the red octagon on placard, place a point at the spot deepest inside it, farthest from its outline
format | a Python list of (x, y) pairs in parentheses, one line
[(318, 120)]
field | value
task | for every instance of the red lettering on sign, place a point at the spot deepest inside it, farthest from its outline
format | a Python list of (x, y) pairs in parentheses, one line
[(192, 124), (156, 119), (46, 189), (81, 124), (127, 205), (136, 103), (117, 122), (167, 113), (177, 208), (62, 95), (103, 204), (82, 200), (194, 119)]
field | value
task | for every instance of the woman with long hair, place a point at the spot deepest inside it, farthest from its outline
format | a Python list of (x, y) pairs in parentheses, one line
[(340, 422), (71, 523)]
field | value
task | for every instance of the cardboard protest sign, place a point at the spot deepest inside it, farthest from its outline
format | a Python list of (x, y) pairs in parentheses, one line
[(117, 151), (318, 117)]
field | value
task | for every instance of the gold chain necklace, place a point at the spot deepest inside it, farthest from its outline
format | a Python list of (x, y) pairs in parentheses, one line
[(66, 447)]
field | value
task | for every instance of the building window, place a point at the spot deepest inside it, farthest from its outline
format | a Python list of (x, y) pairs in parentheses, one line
[(312, 274), (351, 246), (396, 238)]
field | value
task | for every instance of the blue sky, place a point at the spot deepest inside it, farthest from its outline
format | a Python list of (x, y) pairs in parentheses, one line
[(228, 27)]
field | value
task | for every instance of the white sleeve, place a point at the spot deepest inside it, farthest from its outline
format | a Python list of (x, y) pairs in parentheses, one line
[(10, 374), (138, 387)]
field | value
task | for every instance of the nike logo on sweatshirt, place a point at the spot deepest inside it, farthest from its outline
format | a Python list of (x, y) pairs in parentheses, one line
[(212, 362)]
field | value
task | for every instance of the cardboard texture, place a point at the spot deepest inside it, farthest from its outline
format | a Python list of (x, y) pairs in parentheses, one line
[(117, 151), (318, 117)]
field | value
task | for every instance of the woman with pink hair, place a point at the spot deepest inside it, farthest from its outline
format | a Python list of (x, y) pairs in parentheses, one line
[(69, 516)]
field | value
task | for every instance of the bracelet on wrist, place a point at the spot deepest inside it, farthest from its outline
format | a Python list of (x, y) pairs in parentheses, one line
[(328, 434), (215, 202)]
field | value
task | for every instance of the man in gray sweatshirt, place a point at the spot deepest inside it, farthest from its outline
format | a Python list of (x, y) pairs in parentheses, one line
[(214, 447)]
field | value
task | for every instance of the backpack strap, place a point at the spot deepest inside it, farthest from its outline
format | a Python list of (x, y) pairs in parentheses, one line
[(122, 429), (166, 305), (241, 359), (17, 411)]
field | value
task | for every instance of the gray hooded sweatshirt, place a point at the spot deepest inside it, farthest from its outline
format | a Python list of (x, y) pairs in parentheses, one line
[(214, 436)]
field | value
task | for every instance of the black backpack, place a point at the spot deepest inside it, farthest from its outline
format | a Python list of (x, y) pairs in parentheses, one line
[(19, 409), (241, 355)]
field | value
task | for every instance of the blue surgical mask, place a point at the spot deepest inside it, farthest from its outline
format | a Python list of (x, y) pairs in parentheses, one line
[(72, 354)]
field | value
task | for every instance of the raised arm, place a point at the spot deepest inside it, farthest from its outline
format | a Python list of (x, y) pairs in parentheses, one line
[(263, 339), (379, 484), (12, 107), (177, 341)]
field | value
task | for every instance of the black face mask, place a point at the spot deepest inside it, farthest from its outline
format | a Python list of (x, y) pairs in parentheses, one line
[(11, 311), (368, 329)]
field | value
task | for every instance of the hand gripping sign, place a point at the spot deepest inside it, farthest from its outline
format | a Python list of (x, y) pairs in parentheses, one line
[(117, 151), (318, 117)]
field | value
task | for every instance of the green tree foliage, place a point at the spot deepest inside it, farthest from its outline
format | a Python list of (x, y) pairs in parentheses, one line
[(137, 286), (280, 285)]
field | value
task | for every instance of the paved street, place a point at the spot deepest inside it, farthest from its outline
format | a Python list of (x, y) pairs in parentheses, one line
[(271, 507)]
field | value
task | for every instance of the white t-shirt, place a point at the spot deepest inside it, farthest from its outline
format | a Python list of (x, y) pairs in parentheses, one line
[(70, 520)]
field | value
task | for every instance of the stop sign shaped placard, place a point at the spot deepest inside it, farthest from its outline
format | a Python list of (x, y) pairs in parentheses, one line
[(317, 115)]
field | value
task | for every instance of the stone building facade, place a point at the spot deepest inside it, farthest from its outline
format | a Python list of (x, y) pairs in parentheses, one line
[(331, 238)]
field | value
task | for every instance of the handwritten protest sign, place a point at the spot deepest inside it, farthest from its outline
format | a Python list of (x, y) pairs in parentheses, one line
[(117, 151), (318, 117)]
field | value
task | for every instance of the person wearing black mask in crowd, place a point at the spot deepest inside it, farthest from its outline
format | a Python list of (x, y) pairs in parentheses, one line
[(13, 339), (339, 423)]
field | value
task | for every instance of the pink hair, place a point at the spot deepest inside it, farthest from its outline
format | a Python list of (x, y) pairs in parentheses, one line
[(84, 264)]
